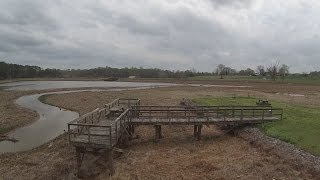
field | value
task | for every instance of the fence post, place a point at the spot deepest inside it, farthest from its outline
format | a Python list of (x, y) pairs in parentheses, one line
[(69, 134), (89, 134), (110, 136), (241, 117), (116, 130)]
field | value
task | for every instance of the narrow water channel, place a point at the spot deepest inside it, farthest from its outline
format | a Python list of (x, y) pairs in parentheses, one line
[(52, 122)]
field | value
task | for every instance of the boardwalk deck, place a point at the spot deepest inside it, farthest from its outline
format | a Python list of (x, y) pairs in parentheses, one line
[(210, 121), (104, 128)]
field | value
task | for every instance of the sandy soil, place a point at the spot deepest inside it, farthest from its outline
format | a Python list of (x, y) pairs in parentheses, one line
[(177, 156)]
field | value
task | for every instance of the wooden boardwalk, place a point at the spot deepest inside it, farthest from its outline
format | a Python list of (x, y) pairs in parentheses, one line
[(103, 129)]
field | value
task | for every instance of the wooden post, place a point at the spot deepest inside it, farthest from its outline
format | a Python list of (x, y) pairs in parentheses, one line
[(78, 156), (109, 161), (195, 129), (131, 130), (199, 132), (160, 132), (157, 132)]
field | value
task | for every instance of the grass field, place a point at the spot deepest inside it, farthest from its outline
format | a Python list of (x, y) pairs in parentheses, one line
[(300, 125), (289, 79)]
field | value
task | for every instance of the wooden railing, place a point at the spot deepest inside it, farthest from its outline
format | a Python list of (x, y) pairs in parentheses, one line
[(124, 102), (84, 124), (89, 127), (120, 126), (183, 112)]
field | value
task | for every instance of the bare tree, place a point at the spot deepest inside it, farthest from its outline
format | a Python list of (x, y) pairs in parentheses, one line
[(272, 70), (261, 70), (220, 70), (283, 70)]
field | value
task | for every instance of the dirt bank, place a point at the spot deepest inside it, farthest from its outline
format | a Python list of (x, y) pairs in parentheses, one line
[(286, 151)]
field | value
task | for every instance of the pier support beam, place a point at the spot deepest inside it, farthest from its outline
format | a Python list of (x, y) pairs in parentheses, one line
[(158, 134), (79, 157), (109, 161), (131, 129), (197, 131)]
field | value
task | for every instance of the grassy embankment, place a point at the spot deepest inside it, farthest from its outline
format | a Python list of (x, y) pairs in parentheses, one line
[(288, 79), (300, 125)]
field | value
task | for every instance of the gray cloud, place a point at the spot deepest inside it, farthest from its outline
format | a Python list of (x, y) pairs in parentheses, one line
[(165, 34)]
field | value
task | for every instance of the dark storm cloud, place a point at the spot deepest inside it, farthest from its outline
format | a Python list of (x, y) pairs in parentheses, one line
[(172, 34)]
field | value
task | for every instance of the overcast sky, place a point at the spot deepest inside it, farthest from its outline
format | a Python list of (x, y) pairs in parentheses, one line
[(167, 34)]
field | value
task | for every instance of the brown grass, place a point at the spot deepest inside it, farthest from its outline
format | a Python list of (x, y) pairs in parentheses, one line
[(177, 156), (13, 116)]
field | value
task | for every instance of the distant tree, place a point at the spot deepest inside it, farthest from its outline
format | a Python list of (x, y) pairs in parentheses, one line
[(246, 72), (272, 70), (261, 70), (283, 71), (229, 71), (220, 70)]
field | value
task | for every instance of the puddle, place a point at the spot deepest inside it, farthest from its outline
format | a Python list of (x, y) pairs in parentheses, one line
[(296, 95), (292, 95), (226, 86)]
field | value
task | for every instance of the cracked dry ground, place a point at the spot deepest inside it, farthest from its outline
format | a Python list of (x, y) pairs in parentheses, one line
[(177, 156)]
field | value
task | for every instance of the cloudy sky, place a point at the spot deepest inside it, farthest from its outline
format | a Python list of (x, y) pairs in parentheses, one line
[(168, 34)]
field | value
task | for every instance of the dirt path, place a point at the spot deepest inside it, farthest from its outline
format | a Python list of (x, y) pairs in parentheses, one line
[(177, 156)]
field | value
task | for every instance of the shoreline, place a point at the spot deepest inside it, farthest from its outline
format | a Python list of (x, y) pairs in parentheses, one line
[(214, 81)]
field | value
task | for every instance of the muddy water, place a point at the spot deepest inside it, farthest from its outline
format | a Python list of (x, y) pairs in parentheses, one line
[(52, 122), (43, 85)]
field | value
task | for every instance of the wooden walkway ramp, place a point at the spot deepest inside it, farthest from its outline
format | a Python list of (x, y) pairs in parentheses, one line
[(102, 129)]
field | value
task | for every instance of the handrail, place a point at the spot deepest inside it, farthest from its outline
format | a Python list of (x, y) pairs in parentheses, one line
[(204, 110), (88, 125), (202, 106), (85, 115)]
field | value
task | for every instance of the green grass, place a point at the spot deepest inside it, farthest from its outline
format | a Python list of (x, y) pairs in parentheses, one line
[(288, 79), (4, 130), (300, 125)]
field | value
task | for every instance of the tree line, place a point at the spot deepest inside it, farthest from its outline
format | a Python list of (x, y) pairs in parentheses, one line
[(8, 71), (133, 71), (274, 71)]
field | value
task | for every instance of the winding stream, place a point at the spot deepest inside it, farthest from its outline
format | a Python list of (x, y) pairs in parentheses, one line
[(51, 123), (52, 120)]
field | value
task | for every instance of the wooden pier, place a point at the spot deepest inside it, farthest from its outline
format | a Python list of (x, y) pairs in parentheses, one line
[(102, 129)]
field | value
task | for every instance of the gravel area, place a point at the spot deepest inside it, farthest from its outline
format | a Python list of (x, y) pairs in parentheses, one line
[(295, 156)]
